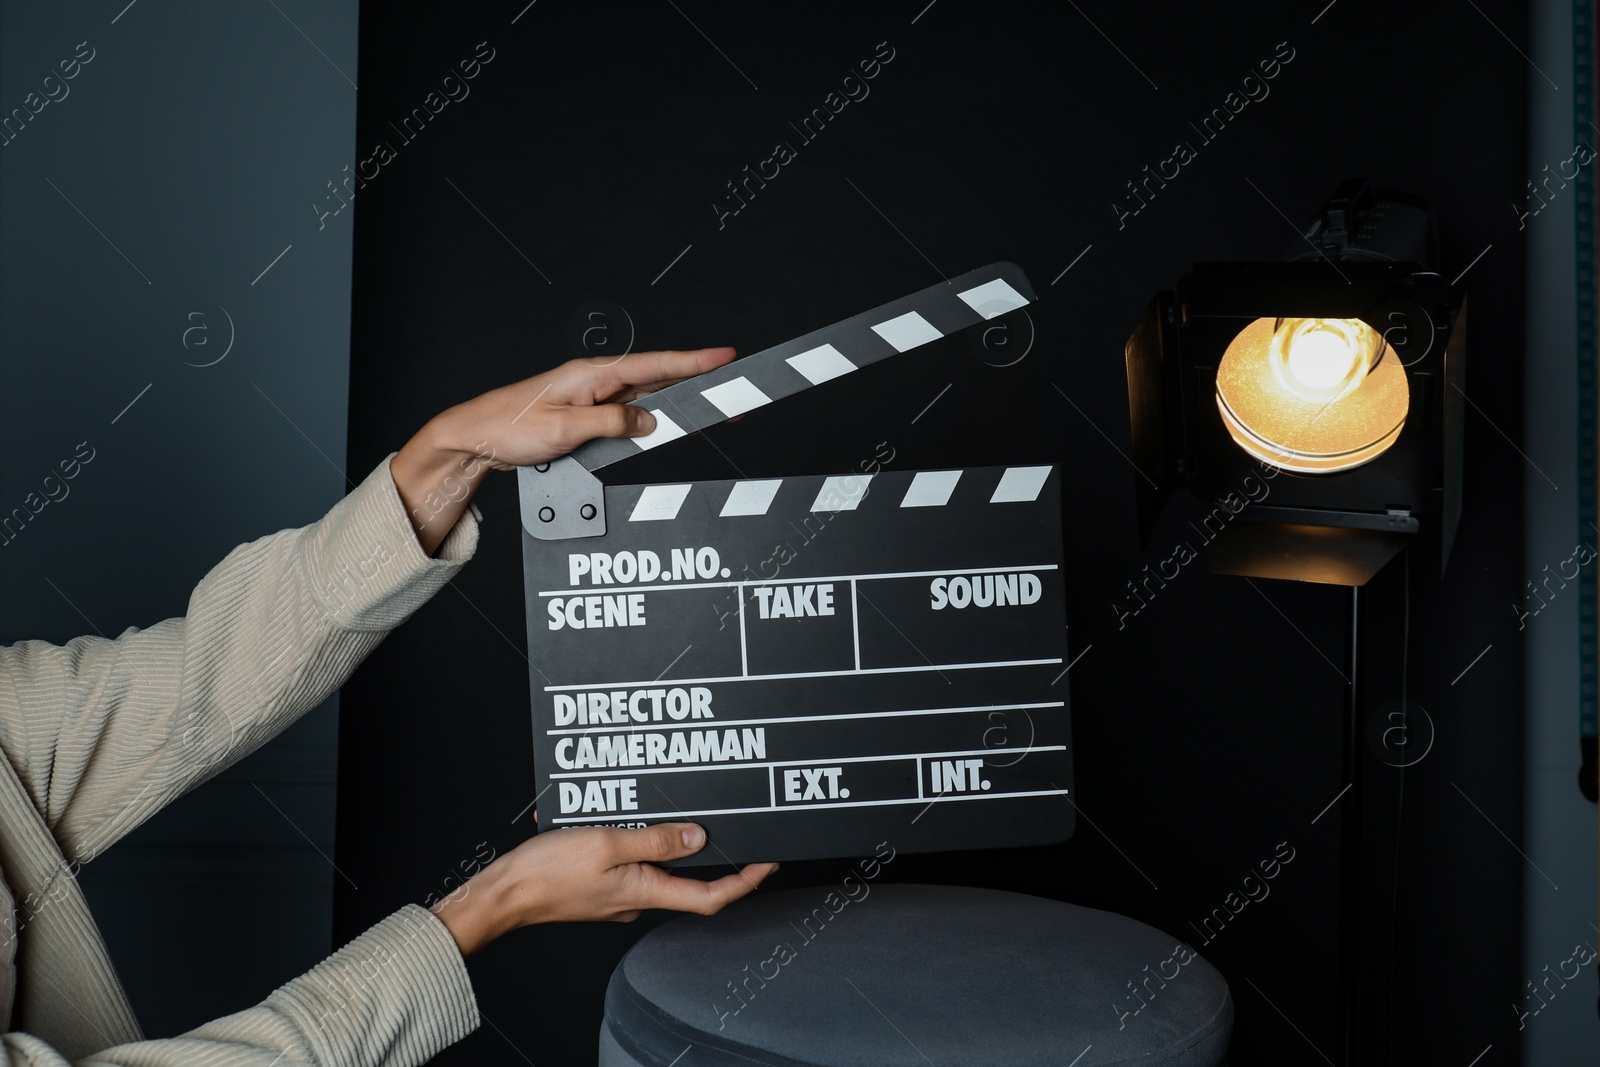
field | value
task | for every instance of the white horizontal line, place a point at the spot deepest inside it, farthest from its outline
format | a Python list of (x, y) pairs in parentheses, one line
[(799, 807), (799, 580), (809, 674), (635, 727), (614, 772)]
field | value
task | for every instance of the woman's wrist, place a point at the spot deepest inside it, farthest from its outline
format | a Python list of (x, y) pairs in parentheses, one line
[(483, 912), (436, 474)]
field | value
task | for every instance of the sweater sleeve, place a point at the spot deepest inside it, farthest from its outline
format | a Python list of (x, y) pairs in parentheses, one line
[(394, 997), (104, 732)]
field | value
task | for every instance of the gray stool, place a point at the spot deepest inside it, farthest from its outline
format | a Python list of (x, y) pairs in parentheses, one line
[(907, 975)]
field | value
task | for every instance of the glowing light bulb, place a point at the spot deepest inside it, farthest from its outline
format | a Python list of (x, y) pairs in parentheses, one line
[(1321, 359)]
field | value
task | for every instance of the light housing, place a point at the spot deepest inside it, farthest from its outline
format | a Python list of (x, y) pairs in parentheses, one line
[(1353, 441)]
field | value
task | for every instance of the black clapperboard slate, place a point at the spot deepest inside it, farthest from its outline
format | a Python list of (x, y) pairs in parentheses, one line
[(806, 666)]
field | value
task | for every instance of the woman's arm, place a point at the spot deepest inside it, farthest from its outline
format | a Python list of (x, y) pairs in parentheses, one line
[(104, 732), (393, 997), (399, 993)]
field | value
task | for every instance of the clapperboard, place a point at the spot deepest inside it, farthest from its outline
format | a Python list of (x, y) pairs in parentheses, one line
[(807, 666)]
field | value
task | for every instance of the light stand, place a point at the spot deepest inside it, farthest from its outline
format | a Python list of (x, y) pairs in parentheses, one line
[(1340, 370)]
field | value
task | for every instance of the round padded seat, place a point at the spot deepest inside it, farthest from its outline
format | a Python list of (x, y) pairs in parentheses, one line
[(868, 975)]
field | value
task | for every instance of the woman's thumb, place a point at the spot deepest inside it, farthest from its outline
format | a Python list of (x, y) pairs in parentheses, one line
[(667, 841)]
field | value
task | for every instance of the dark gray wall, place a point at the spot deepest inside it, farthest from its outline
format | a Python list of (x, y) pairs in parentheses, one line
[(142, 204)]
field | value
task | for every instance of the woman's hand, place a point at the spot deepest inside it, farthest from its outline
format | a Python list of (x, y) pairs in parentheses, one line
[(528, 422), (585, 874)]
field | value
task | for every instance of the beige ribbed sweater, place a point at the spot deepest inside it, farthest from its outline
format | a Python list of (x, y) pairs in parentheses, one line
[(97, 735)]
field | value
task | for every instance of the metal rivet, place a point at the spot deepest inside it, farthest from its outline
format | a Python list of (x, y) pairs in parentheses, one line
[(587, 511), (542, 468), (547, 515)]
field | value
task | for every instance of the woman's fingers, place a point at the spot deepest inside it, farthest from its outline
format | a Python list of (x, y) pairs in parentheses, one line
[(660, 889), (550, 414), (658, 843), (706, 898), (575, 425), (591, 874), (653, 368), (749, 876), (634, 392), (637, 393)]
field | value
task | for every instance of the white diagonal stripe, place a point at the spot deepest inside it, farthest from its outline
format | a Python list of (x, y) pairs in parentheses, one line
[(1019, 483), (842, 493), (821, 364), (931, 489), (736, 397), (993, 298), (659, 502), (751, 498), (666, 430), (907, 331)]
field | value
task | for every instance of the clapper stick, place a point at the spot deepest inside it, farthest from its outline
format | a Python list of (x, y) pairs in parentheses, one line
[(563, 499)]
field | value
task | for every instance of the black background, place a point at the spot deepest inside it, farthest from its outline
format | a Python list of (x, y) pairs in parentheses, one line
[(1206, 728)]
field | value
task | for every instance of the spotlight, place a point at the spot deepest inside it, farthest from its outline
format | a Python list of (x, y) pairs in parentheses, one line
[(1316, 403)]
